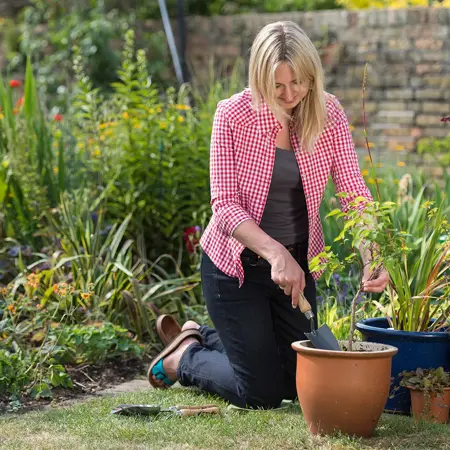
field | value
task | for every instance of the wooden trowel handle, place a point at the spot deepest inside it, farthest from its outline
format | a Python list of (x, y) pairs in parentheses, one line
[(304, 306)]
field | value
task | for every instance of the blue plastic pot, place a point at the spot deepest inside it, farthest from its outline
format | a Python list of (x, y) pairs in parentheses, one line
[(415, 349)]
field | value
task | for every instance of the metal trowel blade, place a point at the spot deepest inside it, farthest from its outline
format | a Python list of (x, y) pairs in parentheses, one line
[(323, 338)]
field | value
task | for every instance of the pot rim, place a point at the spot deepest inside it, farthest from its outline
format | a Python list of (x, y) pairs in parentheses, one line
[(369, 326), (421, 390), (301, 347)]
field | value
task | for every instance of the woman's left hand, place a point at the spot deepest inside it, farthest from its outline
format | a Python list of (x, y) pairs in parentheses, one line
[(377, 284)]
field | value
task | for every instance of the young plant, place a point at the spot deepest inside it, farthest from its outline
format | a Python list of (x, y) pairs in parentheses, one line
[(432, 382), (418, 265)]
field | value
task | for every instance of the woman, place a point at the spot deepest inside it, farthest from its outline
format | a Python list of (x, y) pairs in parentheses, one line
[(273, 148)]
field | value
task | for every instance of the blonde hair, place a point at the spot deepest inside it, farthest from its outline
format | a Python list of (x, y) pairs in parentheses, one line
[(286, 42)]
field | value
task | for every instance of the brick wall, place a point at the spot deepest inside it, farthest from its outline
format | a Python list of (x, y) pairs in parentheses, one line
[(408, 51)]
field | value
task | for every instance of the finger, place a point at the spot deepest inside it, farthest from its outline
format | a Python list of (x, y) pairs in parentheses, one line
[(302, 281), (295, 294), (372, 286), (287, 289)]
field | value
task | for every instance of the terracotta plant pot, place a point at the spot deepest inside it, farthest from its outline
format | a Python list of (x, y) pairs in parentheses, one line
[(438, 409), (343, 391)]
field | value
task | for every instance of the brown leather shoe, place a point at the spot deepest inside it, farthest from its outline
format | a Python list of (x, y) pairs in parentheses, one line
[(156, 368), (167, 328)]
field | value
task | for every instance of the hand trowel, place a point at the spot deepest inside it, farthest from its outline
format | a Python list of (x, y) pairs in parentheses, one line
[(323, 337)]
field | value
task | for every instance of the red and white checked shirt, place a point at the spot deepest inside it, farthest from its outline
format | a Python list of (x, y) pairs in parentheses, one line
[(241, 162)]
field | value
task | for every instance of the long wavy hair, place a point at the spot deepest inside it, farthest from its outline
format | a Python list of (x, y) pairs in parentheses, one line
[(286, 42)]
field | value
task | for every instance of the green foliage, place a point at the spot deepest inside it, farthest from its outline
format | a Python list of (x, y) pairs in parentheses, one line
[(156, 151), (13, 372), (430, 380), (33, 162), (76, 344), (418, 265), (91, 29), (25, 368), (438, 149)]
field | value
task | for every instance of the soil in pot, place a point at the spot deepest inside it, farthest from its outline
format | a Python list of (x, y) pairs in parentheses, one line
[(342, 390), (431, 408)]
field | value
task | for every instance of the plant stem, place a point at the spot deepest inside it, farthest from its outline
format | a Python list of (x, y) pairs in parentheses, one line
[(373, 276), (353, 319)]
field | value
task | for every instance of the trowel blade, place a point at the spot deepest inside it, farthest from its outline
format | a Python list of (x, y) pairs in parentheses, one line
[(323, 338)]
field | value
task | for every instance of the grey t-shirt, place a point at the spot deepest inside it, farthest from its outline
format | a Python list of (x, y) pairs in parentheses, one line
[(285, 217)]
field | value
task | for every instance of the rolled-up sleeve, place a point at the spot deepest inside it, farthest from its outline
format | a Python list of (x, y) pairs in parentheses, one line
[(226, 204), (345, 170)]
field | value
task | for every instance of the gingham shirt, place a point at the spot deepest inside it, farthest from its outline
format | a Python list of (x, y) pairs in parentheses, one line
[(241, 162)]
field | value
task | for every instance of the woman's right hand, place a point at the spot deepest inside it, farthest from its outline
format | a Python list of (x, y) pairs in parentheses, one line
[(287, 273)]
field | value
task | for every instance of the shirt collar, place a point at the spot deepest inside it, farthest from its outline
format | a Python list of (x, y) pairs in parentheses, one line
[(267, 121)]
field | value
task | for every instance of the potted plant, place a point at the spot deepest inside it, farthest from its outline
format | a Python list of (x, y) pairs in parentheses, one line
[(417, 309), (430, 393), (411, 240), (346, 390)]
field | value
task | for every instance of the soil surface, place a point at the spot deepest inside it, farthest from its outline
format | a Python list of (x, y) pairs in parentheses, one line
[(88, 380)]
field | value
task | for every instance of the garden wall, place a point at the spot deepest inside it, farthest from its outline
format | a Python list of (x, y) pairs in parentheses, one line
[(408, 51)]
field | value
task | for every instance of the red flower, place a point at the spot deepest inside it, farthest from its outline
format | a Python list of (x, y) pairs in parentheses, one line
[(191, 236), (15, 83), (58, 117), (445, 119)]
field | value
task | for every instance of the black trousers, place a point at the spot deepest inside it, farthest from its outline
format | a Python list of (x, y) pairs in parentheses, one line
[(247, 359)]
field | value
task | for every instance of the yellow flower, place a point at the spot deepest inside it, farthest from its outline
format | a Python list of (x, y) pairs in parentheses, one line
[(371, 144), (182, 107), (367, 158), (380, 180), (352, 128), (159, 109), (399, 148), (180, 119), (163, 125), (102, 137), (364, 172), (55, 169), (103, 125), (5, 163), (379, 164), (1, 116), (125, 115), (137, 125), (91, 141), (108, 132), (396, 180), (81, 145), (32, 280), (371, 181), (4, 335), (4, 291), (151, 111), (401, 164), (85, 295)]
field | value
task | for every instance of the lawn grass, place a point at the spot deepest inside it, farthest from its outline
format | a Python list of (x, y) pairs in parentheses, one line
[(89, 425)]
